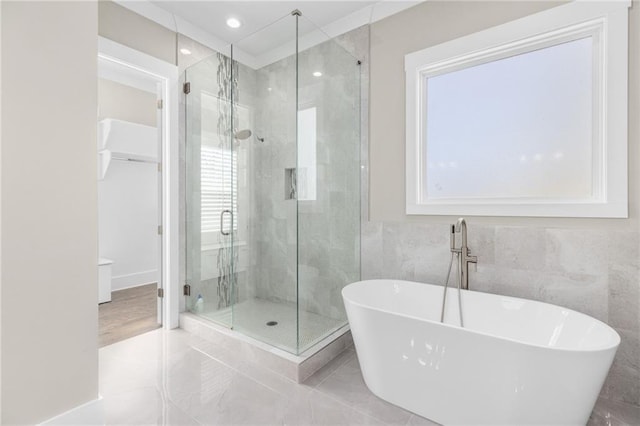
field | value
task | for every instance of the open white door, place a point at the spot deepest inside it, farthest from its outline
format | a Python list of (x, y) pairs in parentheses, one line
[(160, 117)]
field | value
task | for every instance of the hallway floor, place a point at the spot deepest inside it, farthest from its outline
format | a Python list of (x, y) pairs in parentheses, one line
[(174, 378), (131, 312)]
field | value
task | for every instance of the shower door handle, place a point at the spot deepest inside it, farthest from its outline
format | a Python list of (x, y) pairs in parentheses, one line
[(222, 221)]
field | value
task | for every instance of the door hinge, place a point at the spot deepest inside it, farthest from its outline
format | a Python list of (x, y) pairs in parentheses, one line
[(161, 292), (159, 229), (186, 88), (186, 290), (160, 103), (160, 167)]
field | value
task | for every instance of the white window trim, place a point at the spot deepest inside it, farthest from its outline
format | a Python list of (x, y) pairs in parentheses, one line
[(610, 21)]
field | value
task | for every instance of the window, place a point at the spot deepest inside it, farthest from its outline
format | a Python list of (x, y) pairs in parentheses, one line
[(219, 183), (307, 174), (219, 167), (524, 119)]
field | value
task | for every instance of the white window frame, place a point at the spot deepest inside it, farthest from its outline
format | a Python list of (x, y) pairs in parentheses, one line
[(607, 21)]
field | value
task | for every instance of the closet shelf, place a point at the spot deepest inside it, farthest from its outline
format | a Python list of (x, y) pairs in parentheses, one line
[(120, 140)]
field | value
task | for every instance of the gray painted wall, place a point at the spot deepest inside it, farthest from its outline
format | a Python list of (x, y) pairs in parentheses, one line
[(122, 102), (126, 27), (49, 209)]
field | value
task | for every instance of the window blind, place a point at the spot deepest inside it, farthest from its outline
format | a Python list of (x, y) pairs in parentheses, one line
[(219, 179)]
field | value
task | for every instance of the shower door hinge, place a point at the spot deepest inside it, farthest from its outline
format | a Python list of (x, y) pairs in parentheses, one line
[(186, 290), (160, 167), (160, 292), (186, 88), (159, 229), (160, 103)]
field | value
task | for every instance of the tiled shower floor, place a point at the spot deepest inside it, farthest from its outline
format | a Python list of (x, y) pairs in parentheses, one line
[(251, 317)]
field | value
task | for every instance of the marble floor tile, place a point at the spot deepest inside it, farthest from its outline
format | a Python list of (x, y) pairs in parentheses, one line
[(611, 413), (416, 420), (143, 406), (326, 371), (315, 408), (346, 384), (175, 378), (238, 400)]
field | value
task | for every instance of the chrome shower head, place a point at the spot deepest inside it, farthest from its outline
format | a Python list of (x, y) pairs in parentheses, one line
[(242, 134)]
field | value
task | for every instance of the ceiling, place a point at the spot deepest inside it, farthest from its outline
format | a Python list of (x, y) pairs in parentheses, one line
[(211, 16), (268, 30)]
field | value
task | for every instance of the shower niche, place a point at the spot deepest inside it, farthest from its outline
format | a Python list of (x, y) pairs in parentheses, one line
[(273, 185)]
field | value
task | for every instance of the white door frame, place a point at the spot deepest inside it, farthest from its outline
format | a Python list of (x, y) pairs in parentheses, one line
[(168, 75)]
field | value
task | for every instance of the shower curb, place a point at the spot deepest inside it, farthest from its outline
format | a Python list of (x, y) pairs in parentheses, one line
[(297, 368)]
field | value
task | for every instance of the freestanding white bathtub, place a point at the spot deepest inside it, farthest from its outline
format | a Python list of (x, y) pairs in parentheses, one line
[(515, 362)]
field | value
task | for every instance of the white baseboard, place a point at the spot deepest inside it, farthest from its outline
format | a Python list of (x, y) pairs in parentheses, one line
[(121, 282), (89, 413)]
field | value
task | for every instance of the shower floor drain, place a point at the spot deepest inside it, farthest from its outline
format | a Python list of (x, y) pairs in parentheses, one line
[(272, 323)]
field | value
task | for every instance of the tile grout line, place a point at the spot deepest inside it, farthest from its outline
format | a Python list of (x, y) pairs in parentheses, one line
[(357, 410), (243, 373), (336, 369), (293, 383), (349, 406), (341, 403)]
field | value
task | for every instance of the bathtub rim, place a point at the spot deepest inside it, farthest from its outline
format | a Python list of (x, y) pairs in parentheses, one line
[(616, 335)]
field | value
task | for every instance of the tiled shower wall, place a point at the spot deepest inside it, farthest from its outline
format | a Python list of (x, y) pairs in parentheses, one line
[(328, 227), (322, 235), (317, 239), (201, 70), (273, 217), (592, 271)]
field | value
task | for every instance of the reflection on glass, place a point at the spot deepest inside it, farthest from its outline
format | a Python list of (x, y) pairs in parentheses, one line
[(273, 186)]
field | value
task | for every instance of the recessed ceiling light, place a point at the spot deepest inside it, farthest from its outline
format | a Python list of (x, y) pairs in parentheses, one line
[(233, 23), (317, 74), (185, 51)]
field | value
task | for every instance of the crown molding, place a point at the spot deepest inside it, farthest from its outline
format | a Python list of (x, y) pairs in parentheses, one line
[(367, 15)]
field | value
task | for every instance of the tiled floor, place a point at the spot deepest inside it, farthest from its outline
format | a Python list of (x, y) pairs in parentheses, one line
[(172, 377), (131, 312), (251, 316), (609, 413)]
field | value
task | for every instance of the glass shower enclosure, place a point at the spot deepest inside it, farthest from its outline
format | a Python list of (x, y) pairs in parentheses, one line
[(273, 184)]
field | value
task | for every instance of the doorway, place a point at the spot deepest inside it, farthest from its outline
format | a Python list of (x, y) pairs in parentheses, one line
[(129, 201)]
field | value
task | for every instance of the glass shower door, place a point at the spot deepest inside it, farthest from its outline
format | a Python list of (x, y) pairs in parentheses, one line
[(211, 189), (328, 144), (266, 306)]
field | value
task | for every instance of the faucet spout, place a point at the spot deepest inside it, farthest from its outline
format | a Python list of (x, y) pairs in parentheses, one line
[(464, 252)]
